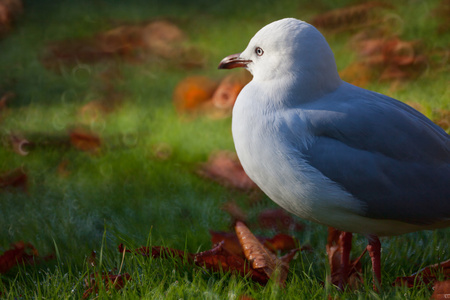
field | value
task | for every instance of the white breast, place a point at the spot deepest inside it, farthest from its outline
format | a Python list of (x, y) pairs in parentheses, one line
[(269, 142)]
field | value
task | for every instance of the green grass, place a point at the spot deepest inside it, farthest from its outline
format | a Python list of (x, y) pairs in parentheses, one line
[(127, 195)]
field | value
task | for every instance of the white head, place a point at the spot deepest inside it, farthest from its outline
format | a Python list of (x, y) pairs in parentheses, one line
[(288, 47)]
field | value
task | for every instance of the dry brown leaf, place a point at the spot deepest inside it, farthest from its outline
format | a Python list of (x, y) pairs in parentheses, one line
[(230, 242), (351, 17), (386, 58), (441, 290), (426, 276), (192, 92), (20, 253), (85, 141), (158, 40), (9, 10), (260, 257), (225, 168), (278, 220)]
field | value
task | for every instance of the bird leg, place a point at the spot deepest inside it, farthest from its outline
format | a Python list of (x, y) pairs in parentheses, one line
[(374, 249), (345, 244)]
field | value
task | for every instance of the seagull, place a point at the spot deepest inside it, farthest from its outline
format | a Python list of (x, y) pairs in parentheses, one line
[(333, 153)]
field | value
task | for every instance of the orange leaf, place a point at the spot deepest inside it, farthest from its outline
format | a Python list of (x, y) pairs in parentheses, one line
[(260, 257), (225, 168), (85, 141), (192, 92)]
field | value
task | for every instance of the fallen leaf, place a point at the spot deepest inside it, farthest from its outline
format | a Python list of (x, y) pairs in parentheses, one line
[(218, 259), (192, 92), (20, 253), (351, 17), (385, 58), (441, 290), (9, 10), (92, 283), (16, 178), (155, 41), (261, 258), (230, 242), (85, 141), (280, 242), (229, 88), (225, 168), (278, 220), (426, 275)]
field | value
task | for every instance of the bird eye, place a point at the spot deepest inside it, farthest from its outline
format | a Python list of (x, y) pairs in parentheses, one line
[(259, 51)]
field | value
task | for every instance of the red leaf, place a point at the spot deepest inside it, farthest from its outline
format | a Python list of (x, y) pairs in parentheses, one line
[(426, 275), (20, 253), (218, 259), (278, 220), (230, 242), (281, 242), (85, 141), (225, 168), (110, 281), (441, 290)]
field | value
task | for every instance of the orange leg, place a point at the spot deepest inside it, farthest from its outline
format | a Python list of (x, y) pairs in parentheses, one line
[(374, 249), (345, 243)]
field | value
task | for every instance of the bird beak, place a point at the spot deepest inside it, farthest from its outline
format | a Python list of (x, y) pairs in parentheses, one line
[(233, 61)]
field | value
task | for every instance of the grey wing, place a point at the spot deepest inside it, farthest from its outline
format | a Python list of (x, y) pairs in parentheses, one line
[(387, 155)]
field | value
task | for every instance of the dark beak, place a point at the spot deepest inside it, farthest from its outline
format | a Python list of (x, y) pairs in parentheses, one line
[(233, 61)]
